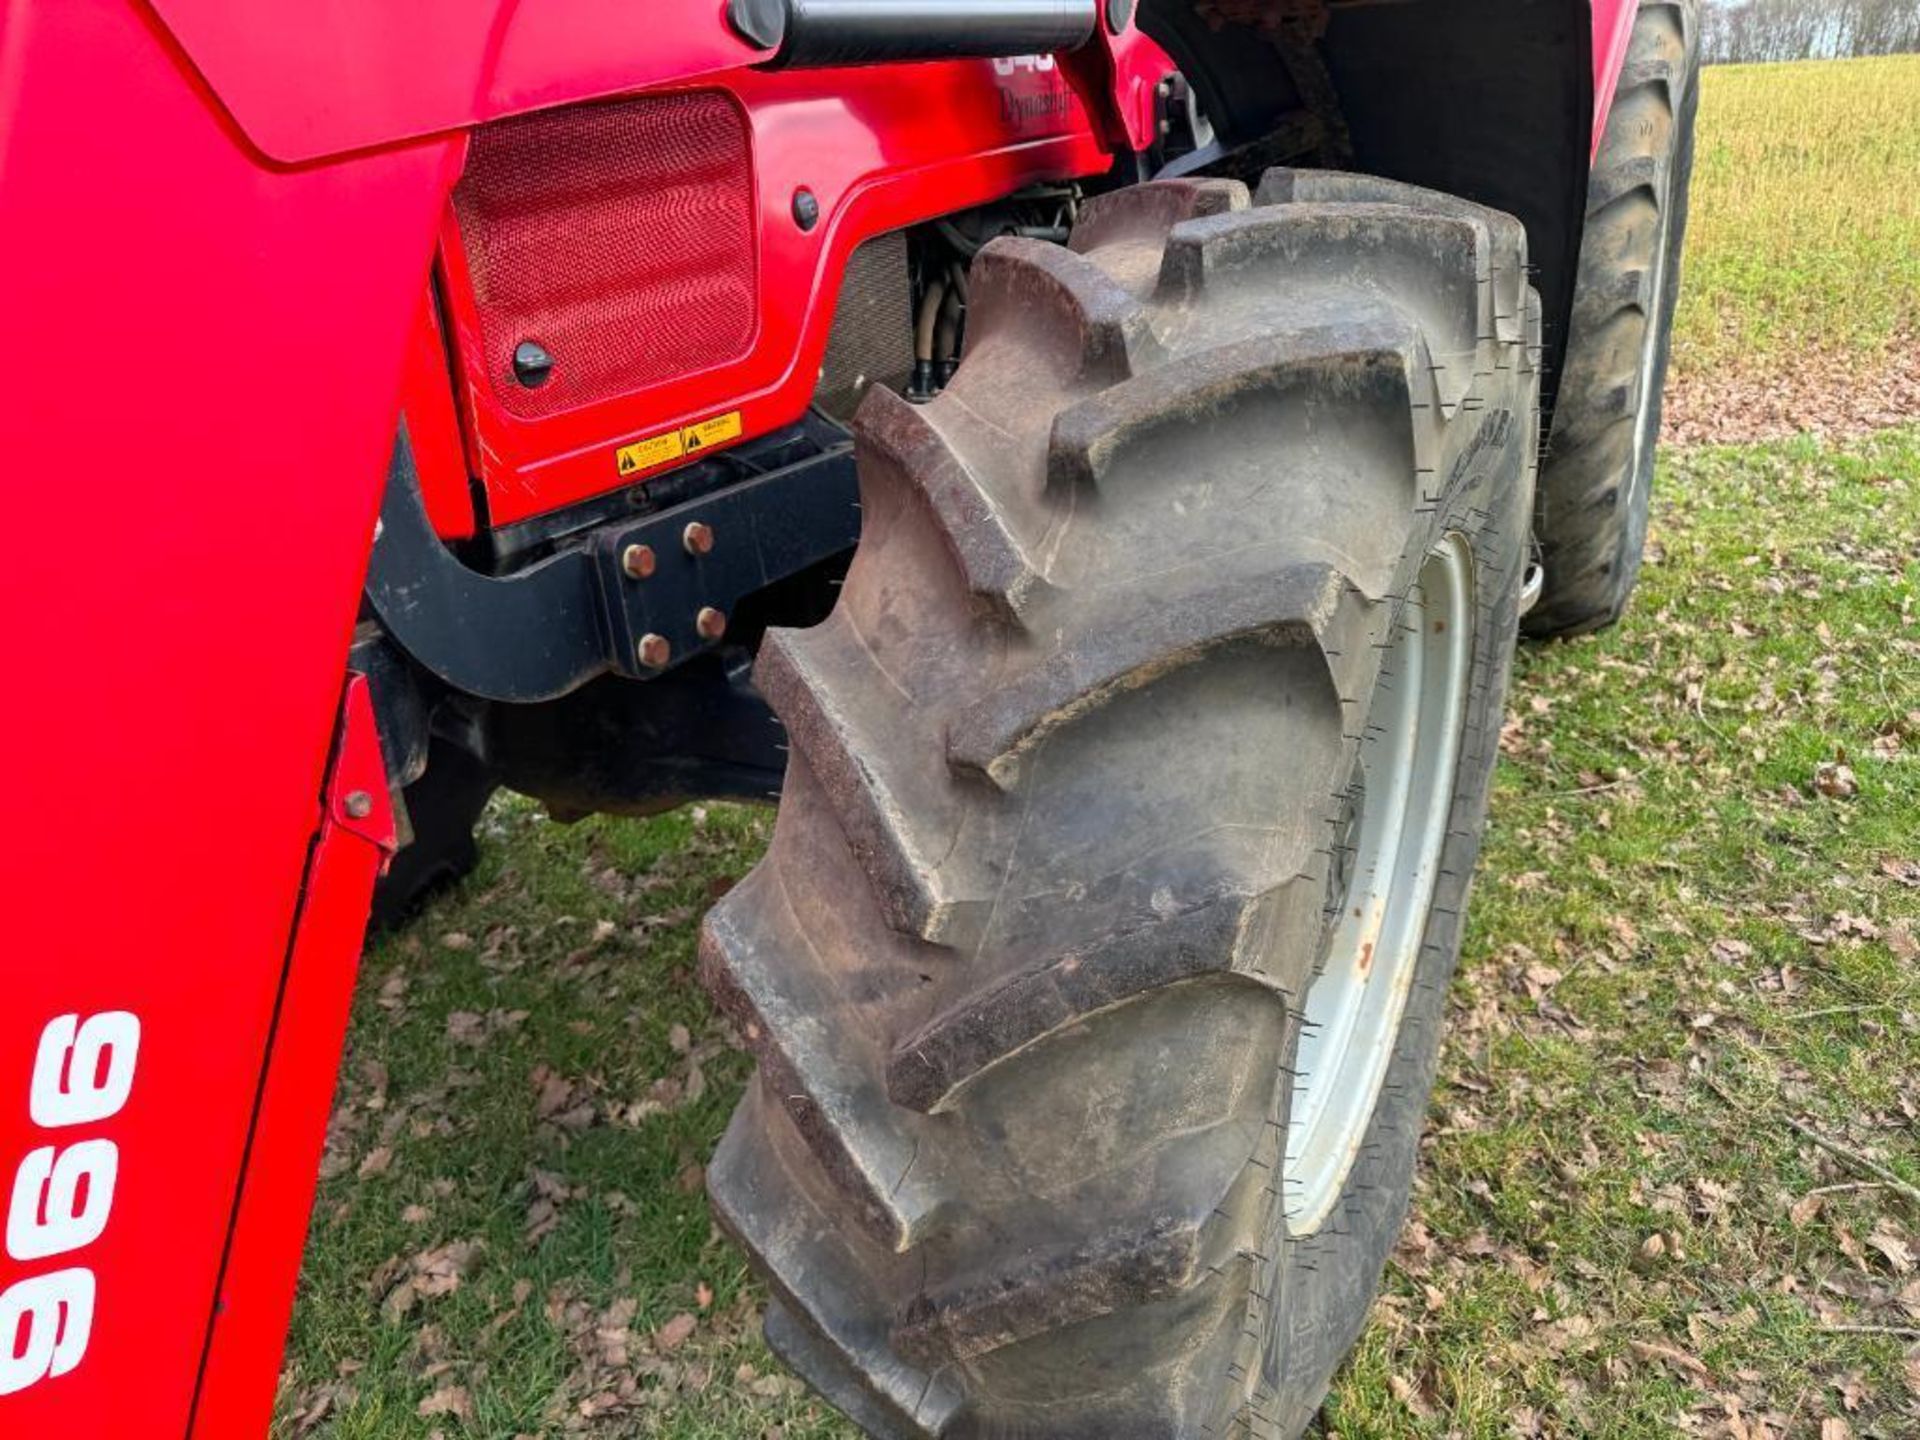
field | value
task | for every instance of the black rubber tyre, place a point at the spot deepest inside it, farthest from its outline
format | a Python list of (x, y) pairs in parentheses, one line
[(1597, 479), (443, 806), (1025, 964)]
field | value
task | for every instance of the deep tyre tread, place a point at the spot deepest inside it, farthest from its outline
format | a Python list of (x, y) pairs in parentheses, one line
[(1025, 964), (1597, 479)]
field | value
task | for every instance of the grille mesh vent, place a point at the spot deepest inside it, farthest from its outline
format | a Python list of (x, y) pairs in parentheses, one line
[(617, 236)]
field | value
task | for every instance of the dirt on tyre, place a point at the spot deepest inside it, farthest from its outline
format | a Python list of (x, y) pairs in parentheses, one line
[(1097, 965), (1596, 483)]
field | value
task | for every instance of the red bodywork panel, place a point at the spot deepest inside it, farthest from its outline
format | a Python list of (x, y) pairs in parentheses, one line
[(307, 81), (859, 141), (211, 383), (255, 1296), (219, 221)]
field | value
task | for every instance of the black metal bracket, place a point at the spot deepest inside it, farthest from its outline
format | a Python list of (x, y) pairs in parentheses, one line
[(709, 553), (543, 630)]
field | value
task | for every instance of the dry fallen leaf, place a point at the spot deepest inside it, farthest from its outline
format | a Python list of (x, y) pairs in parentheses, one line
[(1907, 872), (1892, 1245), (672, 1335), (440, 1271), (1672, 1355), (555, 1092), (466, 1027), (449, 1400), (1835, 780), (1408, 1394)]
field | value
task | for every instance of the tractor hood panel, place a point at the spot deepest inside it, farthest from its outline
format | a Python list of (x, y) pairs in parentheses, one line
[(307, 81)]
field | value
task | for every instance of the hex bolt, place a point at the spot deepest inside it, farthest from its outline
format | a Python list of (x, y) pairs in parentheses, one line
[(637, 561), (697, 537), (654, 651), (358, 804), (710, 623)]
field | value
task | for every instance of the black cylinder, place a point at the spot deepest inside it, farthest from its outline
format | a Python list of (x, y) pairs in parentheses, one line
[(859, 32)]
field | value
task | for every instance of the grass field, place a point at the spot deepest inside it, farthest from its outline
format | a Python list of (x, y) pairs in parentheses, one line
[(1680, 948), (1805, 229), (1670, 1180)]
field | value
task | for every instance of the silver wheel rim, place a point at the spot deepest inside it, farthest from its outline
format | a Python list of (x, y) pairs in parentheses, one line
[(1408, 761)]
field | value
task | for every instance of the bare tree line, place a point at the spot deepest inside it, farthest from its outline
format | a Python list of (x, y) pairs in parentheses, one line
[(1739, 30)]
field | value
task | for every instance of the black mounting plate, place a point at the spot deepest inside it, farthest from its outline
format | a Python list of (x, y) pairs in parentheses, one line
[(543, 630)]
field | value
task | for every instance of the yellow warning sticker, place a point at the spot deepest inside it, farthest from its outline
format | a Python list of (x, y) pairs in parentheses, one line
[(711, 432), (645, 454), (659, 449)]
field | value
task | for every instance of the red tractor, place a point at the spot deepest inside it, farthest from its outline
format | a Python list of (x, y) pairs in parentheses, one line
[(1092, 461)]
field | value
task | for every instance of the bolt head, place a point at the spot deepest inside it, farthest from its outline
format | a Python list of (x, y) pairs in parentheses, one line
[(654, 651), (532, 365), (697, 537), (806, 208), (358, 804), (710, 623), (637, 561)]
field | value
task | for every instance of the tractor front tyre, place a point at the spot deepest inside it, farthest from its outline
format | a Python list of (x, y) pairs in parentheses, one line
[(1596, 483), (443, 806), (1097, 967)]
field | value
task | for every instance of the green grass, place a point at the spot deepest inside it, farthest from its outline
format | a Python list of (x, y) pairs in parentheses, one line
[(1805, 227), (1664, 900), (1677, 944)]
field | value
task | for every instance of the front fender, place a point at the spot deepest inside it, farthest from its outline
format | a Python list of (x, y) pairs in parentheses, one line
[(205, 373), (304, 81)]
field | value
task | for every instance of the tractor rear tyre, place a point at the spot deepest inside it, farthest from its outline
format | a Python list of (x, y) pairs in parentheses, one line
[(1597, 479), (1097, 967)]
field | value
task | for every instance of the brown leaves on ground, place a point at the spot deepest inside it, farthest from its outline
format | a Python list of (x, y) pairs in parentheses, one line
[(425, 1276), (467, 1027), (622, 1370), (1829, 395), (576, 1104)]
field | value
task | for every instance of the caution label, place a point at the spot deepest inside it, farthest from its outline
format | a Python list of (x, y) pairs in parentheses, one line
[(672, 444), (645, 454)]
